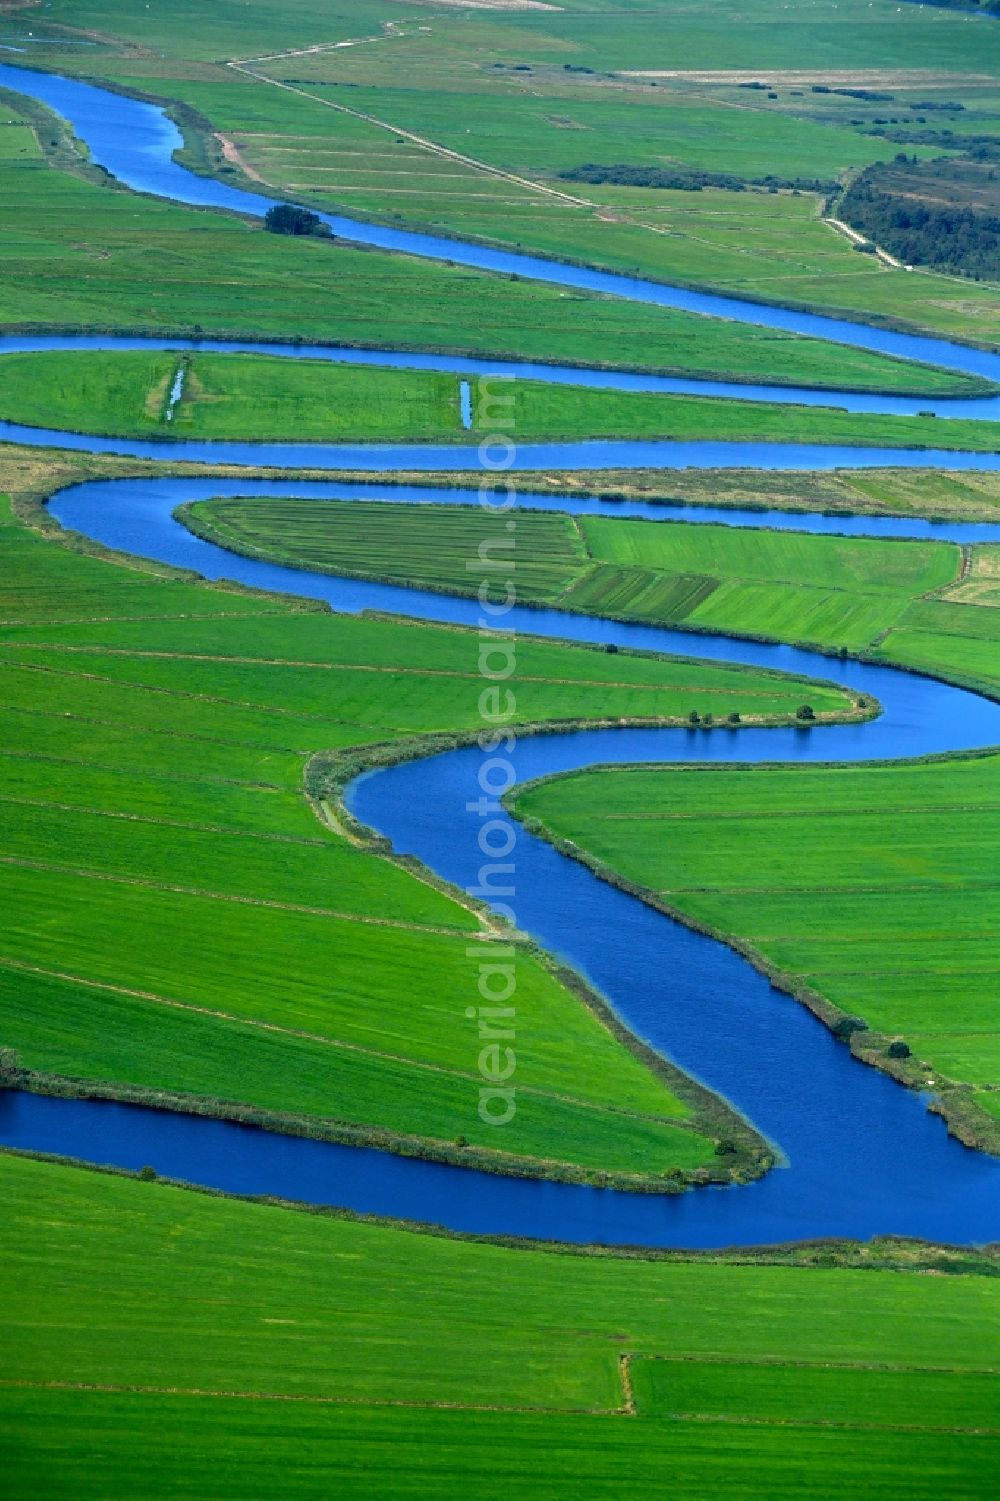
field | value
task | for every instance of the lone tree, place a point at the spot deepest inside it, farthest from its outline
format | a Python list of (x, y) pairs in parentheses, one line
[(805, 711), (287, 219)]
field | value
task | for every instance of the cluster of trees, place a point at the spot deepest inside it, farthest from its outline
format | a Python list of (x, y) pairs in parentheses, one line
[(688, 179), (288, 219), (870, 94), (885, 205), (946, 139)]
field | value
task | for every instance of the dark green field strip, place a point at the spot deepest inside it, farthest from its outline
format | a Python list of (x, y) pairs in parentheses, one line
[(84, 1443), (324, 875), (638, 592), (435, 546), (767, 609), (96, 1034), (770, 1392), (341, 979)]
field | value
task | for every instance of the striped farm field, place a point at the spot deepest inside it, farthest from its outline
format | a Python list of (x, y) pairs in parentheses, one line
[(834, 591)]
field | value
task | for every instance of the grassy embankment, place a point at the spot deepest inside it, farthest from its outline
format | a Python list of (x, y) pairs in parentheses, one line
[(272, 398), (533, 94), (251, 1350), (158, 731), (904, 856), (86, 256), (972, 495)]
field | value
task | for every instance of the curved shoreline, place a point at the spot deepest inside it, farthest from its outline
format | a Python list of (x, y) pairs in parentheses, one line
[(145, 162), (198, 162), (576, 1216), (902, 1164), (980, 406)]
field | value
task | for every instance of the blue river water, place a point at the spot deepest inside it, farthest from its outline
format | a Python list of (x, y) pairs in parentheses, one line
[(136, 141), (861, 1155)]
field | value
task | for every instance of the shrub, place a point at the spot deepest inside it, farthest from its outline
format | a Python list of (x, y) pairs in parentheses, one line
[(147, 1174), (706, 720), (805, 712), (733, 718), (846, 1027), (11, 1067), (611, 648), (289, 219), (898, 1049), (694, 717)]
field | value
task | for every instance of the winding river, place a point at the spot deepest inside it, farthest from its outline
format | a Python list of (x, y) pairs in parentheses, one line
[(861, 1155)]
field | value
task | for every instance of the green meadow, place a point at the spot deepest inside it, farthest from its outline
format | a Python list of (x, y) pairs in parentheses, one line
[(880, 902), (904, 855), (193, 920), (462, 122), (84, 256), (827, 590), (157, 734), (237, 396), (259, 1350), (876, 902)]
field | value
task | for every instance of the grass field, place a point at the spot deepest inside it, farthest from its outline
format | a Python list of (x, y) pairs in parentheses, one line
[(462, 121), (834, 591), (407, 1364), (81, 258), (881, 900), (241, 396), (849, 862), (879, 897), (192, 919), (184, 717)]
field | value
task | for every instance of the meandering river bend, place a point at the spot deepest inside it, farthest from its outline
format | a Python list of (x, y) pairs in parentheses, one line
[(861, 1155)]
